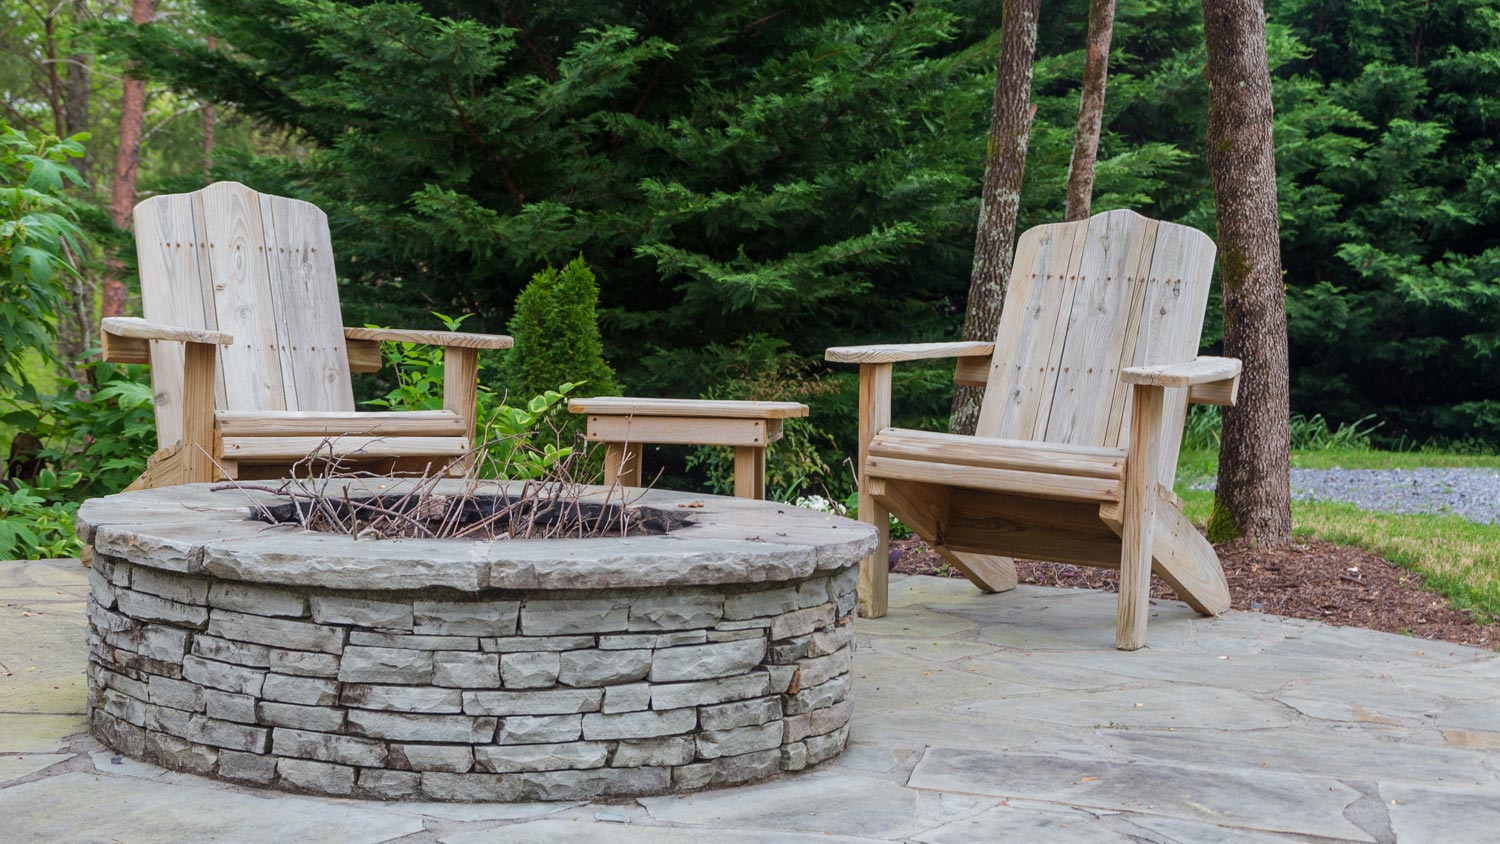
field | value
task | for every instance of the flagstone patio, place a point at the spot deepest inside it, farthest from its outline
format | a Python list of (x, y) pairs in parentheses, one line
[(979, 718)]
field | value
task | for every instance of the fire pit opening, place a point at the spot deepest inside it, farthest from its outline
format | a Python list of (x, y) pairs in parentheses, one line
[(535, 514)]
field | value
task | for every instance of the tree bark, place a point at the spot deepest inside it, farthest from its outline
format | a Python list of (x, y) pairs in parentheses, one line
[(78, 91), (1254, 494), (1090, 110), (1000, 197), (127, 160), (210, 124)]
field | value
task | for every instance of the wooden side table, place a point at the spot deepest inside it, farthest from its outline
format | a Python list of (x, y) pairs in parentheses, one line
[(747, 426)]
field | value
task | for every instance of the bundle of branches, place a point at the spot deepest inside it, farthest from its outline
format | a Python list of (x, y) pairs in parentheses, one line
[(458, 500)]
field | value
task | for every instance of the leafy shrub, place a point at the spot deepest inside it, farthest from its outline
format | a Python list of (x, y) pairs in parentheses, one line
[(800, 463), (556, 328), (37, 231), (522, 440)]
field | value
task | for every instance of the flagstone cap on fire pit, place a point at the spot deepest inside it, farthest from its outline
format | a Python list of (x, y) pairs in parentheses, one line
[(192, 529)]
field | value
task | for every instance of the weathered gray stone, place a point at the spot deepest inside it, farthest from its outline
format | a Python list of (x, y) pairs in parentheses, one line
[(632, 725), (361, 612), (186, 590), (388, 785), (414, 642), (299, 558), (540, 729), (782, 677), (521, 644), (819, 670), (734, 635), (224, 650), (790, 650), (603, 668), (793, 756), (727, 770), (247, 767), (744, 713), (713, 744), (385, 665), (124, 707), (832, 640), (802, 622), (627, 641), (762, 624), (677, 612), (554, 702), (813, 592), (466, 669), (101, 589), (303, 663), (228, 706), (323, 719), (547, 785), (307, 691), (467, 618), (705, 662), (180, 754), (317, 777), (222, 675), (816, 723), (205, 730), (402, 726), (761, 603), (667, 750), (578, 755), (345, 750), (277, 632), (627, 698), (678, 637), (144, 607), (708, 692), (257, 599), (826, 746), (453, 758), (121, 735), (137, 689), (817, 697), (533, 670), (545, 617), (177, 694), (402, 698)]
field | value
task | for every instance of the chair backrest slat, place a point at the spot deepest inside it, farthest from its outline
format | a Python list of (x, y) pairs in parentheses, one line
[(1087, 299), (259, 268)]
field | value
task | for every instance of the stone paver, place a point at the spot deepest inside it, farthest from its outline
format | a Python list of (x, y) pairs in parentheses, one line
[(975, 718)]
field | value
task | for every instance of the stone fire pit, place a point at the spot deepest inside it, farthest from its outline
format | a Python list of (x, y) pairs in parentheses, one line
[(555, 669)]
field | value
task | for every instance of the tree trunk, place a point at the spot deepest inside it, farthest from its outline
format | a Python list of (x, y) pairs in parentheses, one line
[(1000, 198), (78, 92), (1090, 110), (1254, 494), (127, 159), (210, 124)]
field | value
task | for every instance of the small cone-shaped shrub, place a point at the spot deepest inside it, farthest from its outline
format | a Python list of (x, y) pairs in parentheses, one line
[(556, 330)]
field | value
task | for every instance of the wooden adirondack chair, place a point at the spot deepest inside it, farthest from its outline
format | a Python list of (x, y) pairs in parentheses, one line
[(1086, 392), (249, 358)]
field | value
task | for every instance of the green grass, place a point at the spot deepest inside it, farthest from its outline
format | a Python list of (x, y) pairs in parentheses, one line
[(1458, 558)]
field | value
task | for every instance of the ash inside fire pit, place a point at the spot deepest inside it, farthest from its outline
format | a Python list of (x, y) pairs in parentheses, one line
[(537, 513)]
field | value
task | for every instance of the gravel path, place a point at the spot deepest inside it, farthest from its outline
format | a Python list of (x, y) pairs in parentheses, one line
[(1471, 493)]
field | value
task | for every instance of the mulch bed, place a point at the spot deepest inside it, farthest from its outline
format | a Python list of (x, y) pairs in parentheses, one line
[(1314, 580)]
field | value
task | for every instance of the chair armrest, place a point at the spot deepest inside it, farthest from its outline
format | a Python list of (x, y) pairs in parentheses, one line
[(447, 339), (128, 339), (136, 328), (897, 352), (1188, 374)]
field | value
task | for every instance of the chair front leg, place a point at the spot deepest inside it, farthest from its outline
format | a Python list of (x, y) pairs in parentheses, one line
[(874, 415), (1138, 511), (461, 387), (199, 368)]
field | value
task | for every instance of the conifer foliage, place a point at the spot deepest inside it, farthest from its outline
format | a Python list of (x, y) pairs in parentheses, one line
[(557, 336)]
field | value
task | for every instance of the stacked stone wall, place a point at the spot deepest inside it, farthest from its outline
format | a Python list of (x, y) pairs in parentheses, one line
[(444, 695)]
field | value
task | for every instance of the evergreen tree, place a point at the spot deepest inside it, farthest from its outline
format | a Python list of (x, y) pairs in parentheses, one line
[(556, 331)]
